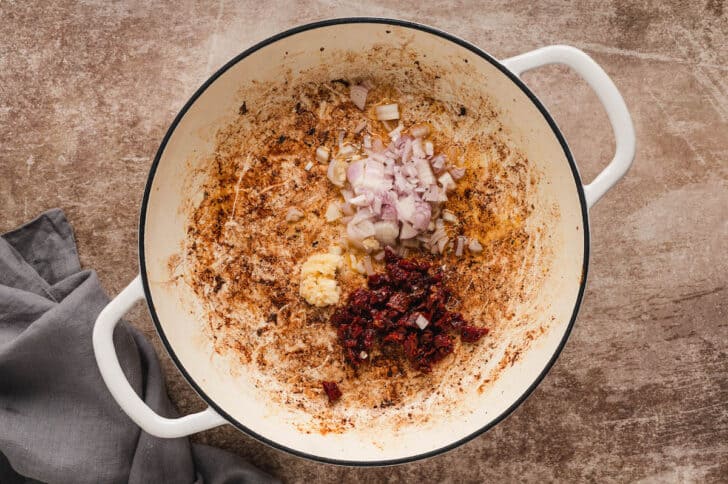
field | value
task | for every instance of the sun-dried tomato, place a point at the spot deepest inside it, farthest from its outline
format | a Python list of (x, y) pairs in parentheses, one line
[(408, 295), (412, 265), (398, 276), (471, 334), (411, 346), (390, 256), (351, 356), (355, 331), (399, 301), (443, 341), (380, 297), (359, 301), (332, 390), (452, 319), (426, 338), (395, 337), (376, 281), (410, 320), (340, 316), (369, 337)]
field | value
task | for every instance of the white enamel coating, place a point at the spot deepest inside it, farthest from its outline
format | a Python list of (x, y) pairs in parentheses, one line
[(119, 386), (224, 384), (607, 93)]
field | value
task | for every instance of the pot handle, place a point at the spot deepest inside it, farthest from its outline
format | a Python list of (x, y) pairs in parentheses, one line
[(119, 386), (608, 94)]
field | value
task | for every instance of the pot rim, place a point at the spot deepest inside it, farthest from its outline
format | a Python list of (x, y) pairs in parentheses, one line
[(410, 25)]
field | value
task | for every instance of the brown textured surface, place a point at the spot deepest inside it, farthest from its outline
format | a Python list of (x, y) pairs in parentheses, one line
[(641, 390)]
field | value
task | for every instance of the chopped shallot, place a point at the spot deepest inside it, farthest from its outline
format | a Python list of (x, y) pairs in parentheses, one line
[(359, 127), (411, 243), (429, 148), (293, 215), (368, 265), (420, 130), (356, 233), (358, 95), (417, 149), (308, 166), (424, 172), (322, 154), (475, 246), (438, 235), (435, 194), (347, 210), (394, 135), (386, 232), (446, 181), (407, 231), (387, 112), (359, 201), (346, 151), (337, 172), (438, 162), (393, 194), (421, 321), (457, 173), (441, 244), (448, 216), (459, 246), (358, 266)]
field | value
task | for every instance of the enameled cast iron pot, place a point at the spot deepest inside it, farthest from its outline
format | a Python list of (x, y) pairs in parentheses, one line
[(161, 231)]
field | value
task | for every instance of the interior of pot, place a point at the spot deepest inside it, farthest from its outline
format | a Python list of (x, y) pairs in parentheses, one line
[(512, 365)]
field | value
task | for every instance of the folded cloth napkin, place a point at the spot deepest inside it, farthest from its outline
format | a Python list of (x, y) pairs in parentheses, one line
[(58, 421)]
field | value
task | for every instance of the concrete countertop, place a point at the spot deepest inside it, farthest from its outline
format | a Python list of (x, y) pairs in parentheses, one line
[(88, 89)]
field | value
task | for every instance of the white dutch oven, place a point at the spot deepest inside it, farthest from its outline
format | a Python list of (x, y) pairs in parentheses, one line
[(162, 229)]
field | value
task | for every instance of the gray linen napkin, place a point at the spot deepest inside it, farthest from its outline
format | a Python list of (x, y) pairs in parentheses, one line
[(58, 421)]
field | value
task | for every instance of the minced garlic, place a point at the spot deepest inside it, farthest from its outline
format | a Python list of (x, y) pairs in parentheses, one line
[(370, 244), (333, 212), (318, 279)]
